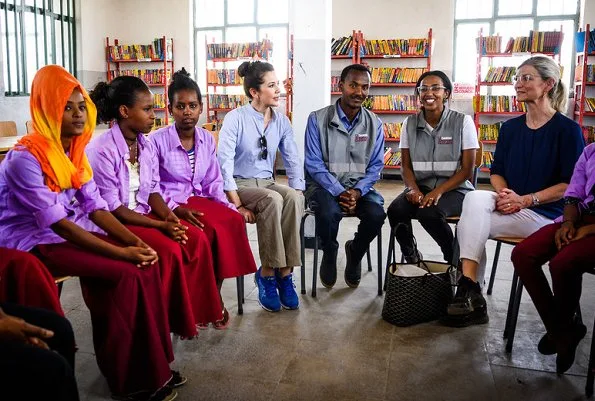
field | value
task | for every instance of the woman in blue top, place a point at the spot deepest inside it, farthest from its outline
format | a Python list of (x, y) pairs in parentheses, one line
[(248, 144), (533, 164)]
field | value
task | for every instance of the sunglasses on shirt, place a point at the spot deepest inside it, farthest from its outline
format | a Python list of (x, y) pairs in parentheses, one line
[(262, 141)]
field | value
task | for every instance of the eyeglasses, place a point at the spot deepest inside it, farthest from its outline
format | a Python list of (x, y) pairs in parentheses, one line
[(426, 89), (264, 153), (524, 78)]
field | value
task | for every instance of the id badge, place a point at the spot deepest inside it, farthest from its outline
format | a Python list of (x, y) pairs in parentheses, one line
[(445, 140), (361, 138)]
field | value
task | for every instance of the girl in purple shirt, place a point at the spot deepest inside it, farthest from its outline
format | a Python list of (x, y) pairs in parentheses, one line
[(569, 246), (126, 171), (44, 182), (191, 181)]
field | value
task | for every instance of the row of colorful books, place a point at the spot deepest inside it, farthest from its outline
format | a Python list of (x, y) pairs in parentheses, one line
[(499, 104), (579, 39), (394, 47), (227, 101), (154, 76), (392, 130), (153, 50), (487, 158), (590, 104), (489, 44), (391, 102), (396, 75), (500, 74), (543, 42), (489, 132), (342, 46), (392, 157), (578, 73), (159, 100), (261, 49), (227, 77)]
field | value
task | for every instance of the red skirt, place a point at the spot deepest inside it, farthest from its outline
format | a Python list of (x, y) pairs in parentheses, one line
[(226, 231), (24, 280), (130, 329), (187, 276)]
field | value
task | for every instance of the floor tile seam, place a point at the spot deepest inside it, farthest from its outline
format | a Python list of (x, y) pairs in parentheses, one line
[(537, 370)]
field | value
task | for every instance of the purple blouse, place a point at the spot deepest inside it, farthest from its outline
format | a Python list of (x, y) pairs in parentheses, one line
[(28, 208), (107, 154), (178, 181), (582, 183)]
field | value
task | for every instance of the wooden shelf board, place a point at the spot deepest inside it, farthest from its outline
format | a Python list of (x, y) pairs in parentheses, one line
[(485, 83), (517, 54), (394, 111), (154, 85), (499, 113), (393, 84), (391, 140), (484, 169), (388, 56), (158, 108), (398, 167), (336, 93), (225, 85), (340, 56), (217, 110), (488, 141), (139, 60)]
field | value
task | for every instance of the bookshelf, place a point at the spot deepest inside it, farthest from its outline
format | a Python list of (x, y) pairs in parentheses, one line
[(395, 65), (153, 63), (224, 85), (493, 101), (584, 82)]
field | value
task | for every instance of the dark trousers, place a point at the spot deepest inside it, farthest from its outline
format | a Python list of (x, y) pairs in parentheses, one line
[(432, 219), (31, 373), (369, 210), (556, 308)]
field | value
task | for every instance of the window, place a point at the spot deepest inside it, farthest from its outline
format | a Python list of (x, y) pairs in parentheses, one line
[(233, 21), (510, 18), (35, 33)]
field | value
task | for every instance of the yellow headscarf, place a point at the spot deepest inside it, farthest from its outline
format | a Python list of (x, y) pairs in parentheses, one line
[(51, 89)]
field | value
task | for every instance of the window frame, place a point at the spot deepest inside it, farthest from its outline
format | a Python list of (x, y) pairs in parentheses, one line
[(536, 20), (226, 25), (66, 15)]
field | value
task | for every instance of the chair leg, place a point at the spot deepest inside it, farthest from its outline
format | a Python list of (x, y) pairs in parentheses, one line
[(59, 285), (456, 251), (369, 259), (240, 290), (315, 264), (591, 371), (390, 254), (515, 316), (380, 262), (494, 267), (513, 286), (303, 254)]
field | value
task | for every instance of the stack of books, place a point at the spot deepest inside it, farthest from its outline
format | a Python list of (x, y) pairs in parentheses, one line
[(500, 74), (261, 50), (391, 102), (396, 75), (392, 130), (229, 77), (227, 101), (498, 104)]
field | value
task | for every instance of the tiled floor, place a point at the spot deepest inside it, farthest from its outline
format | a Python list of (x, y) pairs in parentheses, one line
[(336, 346)]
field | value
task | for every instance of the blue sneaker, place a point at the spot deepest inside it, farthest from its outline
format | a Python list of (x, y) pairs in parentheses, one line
[(268, 297), (287, 295)]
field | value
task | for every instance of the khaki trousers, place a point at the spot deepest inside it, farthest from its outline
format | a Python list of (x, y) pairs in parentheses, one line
[(278, 210)]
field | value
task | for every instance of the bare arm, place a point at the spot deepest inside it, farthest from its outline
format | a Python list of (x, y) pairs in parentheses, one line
[(160, 208), (127, 216), (498, 182)]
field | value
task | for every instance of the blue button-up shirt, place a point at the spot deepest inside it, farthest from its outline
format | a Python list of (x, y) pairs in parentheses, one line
[(239, 147), (316, 166)]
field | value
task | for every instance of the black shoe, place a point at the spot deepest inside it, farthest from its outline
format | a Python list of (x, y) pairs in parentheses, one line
[(328, 269), (177, 379), (353, 272), (468, 306), (566, 346), (547, 345), (414, 258)]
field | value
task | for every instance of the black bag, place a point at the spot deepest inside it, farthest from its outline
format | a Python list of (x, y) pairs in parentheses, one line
[(412, 300)]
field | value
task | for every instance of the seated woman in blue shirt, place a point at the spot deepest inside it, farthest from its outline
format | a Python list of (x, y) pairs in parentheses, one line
[(248, 144), (533, 164)]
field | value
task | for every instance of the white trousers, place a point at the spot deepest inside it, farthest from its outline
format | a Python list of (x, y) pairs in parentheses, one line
[(480, 221)]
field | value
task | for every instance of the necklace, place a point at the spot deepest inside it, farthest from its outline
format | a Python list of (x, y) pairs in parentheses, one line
[(133, 149)]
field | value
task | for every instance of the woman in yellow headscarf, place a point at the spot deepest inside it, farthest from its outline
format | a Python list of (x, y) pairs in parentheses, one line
[(44, 183)]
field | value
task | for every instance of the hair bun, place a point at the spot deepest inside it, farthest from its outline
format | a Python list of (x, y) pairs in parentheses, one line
[(181, 74), (243, 69)]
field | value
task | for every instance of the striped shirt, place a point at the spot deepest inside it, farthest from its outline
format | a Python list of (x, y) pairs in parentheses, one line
[(192, 159)]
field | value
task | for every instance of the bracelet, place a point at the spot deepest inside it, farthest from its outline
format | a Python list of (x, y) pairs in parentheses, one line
[(535, 199)]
